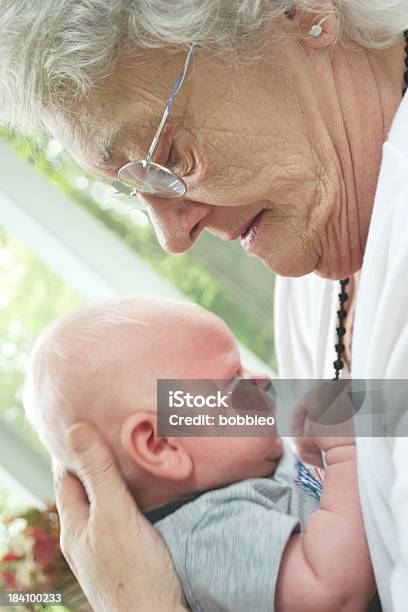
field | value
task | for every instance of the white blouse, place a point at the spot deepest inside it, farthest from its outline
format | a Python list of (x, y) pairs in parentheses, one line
[(305, 321)]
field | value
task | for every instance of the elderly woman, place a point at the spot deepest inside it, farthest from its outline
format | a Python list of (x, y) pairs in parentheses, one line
[(284, 128)]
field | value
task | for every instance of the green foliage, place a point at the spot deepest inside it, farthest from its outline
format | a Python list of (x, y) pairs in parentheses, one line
[(31, 296), (10, 505)]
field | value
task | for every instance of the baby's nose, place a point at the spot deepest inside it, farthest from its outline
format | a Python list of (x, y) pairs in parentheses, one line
[(177, 223)]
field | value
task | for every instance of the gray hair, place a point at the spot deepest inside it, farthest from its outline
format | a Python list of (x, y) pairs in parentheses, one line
[(54, 50)]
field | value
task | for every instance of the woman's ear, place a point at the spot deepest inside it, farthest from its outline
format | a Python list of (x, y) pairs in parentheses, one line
[(318, 29), (161, 457)]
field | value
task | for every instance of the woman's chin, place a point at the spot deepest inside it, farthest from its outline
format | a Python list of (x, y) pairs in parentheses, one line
[(280, 264), (283, 254)]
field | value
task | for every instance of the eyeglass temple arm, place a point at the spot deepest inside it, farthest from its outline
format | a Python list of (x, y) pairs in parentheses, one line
[(169, 106)]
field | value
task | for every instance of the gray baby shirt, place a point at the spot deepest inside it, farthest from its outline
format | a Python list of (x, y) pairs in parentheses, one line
[(227, 544)]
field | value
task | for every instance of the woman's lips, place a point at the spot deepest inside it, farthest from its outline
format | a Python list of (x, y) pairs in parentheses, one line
[(251, 233), (243, 231)]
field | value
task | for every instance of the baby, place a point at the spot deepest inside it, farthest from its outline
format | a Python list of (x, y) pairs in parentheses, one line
[(242, 536)]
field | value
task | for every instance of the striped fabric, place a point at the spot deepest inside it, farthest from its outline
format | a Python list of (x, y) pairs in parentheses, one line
[(309, 478)]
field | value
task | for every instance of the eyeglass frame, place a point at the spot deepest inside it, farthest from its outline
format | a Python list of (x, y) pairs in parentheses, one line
[(148, 159)]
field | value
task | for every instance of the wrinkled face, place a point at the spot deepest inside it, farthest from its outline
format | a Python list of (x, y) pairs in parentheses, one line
[(240, 139)]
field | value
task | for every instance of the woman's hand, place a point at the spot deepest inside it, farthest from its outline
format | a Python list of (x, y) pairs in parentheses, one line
[(120, 561)]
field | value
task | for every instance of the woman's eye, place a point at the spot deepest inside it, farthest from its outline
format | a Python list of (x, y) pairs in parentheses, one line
[(180, 164), (175, 163), (172, 156)]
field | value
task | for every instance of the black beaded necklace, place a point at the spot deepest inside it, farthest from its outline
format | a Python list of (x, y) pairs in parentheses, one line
[(343, 295)]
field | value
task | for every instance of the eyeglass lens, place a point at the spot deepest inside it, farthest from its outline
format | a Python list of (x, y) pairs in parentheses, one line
[(151, 178)]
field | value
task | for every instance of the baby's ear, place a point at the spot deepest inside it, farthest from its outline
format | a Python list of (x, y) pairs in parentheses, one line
[(161, 457)]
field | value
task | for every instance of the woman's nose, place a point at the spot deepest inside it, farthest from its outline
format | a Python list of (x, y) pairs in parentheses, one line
[(177, 223)]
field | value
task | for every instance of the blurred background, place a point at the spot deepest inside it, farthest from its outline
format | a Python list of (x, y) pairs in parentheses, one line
[(63, 241)]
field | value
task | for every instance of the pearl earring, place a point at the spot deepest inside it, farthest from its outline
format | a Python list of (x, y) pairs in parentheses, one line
[(317, 28)]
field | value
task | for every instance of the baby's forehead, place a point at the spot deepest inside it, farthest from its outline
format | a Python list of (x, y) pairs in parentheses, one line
[(90, 353)]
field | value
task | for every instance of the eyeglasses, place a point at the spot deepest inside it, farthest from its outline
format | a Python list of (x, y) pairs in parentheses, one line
[(144, 175)]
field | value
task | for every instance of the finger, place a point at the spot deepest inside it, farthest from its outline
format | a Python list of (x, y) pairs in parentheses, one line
[(96, 466), (72, 502), (59, 473), (308, 451), (328, 403), (298, 421), (312, 456)]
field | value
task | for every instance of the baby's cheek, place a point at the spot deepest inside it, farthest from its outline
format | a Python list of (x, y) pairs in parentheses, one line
[(257, 456), (224, 460)]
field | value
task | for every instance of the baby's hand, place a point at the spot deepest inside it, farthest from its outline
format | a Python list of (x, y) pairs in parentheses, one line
[(323, 420), (309, 452), (327, 566)]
